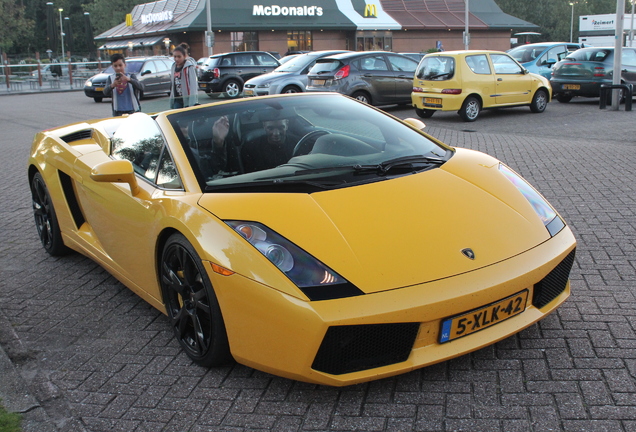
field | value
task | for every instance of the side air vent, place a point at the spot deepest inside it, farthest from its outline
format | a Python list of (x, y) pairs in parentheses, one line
[(77, 136), (71, 199)]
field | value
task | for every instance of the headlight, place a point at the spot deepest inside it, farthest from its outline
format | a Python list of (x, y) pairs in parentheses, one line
[(546, 213), (265, 85), (315, 279), (88, 83)]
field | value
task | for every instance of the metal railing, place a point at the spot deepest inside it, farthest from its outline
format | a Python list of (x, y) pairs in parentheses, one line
[(48, 75)]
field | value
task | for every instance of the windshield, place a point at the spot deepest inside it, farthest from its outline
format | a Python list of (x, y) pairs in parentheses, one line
[(527, 53), (295, 64), (300, 143)]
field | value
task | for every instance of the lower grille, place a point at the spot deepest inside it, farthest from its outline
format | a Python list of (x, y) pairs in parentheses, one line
[(347, 349), (554, 283)]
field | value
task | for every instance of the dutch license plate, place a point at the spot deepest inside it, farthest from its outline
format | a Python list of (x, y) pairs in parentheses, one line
[(435, 101), (99, 88), (248, 92), (484, 317), (571, 87), (318, 82), (203, 85)]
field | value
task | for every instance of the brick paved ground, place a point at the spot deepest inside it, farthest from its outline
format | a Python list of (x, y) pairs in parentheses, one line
[(97, 358)]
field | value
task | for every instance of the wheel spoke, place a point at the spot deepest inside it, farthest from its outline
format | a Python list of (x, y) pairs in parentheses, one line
[(172, 280), (180, 322), (203, 303), (200, 335)]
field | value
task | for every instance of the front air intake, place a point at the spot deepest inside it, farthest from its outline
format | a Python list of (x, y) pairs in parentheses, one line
[(347, 349), (554, 283)]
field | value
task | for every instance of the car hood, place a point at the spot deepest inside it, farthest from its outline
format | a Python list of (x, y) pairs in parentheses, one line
[(269, 77), (99, 77), (403, 231)]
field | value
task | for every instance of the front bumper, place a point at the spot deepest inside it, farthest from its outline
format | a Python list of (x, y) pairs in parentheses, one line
[(286, 336), (94, 91)]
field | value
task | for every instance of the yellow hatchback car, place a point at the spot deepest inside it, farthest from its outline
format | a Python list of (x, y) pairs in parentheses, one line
[(469, 81)]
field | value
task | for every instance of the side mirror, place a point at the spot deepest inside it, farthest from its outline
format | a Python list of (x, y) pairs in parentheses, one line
[(146, 72), (525, 71), (417, 124), (550, 62), (116, 171)]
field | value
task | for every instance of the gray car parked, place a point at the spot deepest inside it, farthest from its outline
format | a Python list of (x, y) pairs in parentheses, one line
[(374, 77), (290, 77)]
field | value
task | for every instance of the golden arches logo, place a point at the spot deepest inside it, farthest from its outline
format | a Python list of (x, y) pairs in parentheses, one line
[(371, 10)]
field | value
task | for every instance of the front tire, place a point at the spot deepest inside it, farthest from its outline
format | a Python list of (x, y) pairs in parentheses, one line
[(470, 109), (539, 101), (232, 88), (192, 306), (97, 99), (291, 89), (45, 218), (424, 113)]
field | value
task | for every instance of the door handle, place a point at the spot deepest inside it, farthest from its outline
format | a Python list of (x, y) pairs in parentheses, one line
[(367, 75), (499, 79)]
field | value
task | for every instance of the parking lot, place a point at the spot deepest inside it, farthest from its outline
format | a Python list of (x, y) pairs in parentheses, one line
[(92, 356)]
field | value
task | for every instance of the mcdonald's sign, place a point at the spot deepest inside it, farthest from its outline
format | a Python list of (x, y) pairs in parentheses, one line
[(371, 11), (129, 20)]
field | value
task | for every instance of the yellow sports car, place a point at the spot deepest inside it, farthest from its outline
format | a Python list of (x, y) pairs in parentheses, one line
[(310, 236)]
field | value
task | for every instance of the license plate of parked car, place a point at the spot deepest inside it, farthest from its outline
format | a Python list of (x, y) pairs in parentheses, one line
[(318, 82), (571, 87), (435, 101), (484, 317), (248, 92), (99, 88)]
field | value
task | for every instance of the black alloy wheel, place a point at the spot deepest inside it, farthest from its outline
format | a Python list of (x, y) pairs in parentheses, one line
[(192, 306), (45, 218)]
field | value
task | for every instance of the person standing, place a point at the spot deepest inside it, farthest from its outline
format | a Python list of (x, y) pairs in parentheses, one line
[(124, 88), (184, 89)]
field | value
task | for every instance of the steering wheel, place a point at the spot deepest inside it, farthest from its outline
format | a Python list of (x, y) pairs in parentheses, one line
[(307, 142)]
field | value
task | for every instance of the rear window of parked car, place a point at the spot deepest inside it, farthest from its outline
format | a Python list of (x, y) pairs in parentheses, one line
[(478, 64), (436, 68), (590, 54)]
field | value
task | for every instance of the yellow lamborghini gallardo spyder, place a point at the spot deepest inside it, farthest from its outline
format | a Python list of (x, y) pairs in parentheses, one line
[(310, 235)]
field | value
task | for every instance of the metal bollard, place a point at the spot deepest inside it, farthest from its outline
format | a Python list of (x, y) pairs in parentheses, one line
[(606, 88)]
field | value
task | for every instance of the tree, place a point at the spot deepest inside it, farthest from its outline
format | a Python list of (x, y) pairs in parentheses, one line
[(554, 16), (106, 14), (15, 25)]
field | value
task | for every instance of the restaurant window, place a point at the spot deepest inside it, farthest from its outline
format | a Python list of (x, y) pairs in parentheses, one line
[(374, 41), (244, 41), (299, 41)]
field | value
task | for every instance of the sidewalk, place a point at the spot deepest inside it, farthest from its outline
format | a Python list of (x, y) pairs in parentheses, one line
[(18, 87)]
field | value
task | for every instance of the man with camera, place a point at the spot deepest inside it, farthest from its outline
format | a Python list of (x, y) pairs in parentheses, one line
[(124, 88)]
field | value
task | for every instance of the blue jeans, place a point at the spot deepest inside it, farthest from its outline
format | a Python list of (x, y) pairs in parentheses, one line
[(176, 103)]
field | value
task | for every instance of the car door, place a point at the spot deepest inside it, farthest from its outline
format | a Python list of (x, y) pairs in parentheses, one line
[(246, 66), (124, 223), (163, 75), (549, 59), (403, 69), (628, 65), (513, 83), (150, 78), (378, 78), (478, 78)]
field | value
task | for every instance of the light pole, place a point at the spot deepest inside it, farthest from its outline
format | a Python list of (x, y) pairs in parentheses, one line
[(466, 34), (631, 30), (62, 32), (572, 21)]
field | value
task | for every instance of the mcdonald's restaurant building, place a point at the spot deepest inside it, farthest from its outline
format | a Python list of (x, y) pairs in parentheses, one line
[(291, 25)]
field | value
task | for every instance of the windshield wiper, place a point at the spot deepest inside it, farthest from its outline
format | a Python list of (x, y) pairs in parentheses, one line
[(406, 162), (439, 75)]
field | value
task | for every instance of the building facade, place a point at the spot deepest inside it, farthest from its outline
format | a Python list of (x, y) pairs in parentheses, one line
[(285, 26)]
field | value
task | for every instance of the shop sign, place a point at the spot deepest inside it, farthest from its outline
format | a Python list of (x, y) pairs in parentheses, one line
[(275, 10), (152, 18)]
